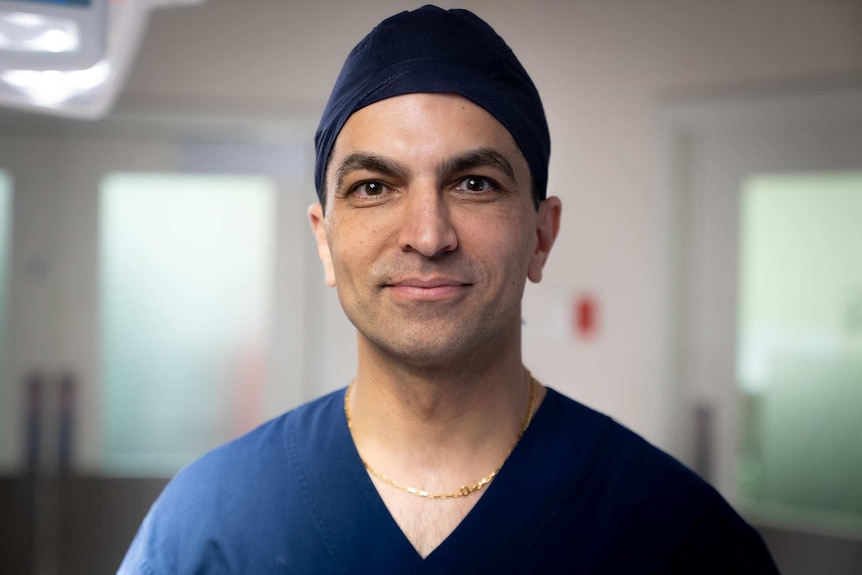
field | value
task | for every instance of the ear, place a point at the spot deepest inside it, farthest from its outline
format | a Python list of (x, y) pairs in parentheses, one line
[(318, 228), (547, 228)]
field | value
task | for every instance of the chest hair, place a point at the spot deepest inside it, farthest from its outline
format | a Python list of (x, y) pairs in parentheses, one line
[(425, 522)]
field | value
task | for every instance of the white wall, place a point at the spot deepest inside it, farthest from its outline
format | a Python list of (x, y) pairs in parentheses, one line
[(603, 67)]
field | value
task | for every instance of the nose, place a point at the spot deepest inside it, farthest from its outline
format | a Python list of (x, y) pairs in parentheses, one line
[(426, 225)]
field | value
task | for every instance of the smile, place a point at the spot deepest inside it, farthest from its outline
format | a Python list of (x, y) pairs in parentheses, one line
[(434, 289)]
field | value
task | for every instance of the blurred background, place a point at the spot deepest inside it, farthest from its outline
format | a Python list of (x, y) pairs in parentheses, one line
[(160, 292)]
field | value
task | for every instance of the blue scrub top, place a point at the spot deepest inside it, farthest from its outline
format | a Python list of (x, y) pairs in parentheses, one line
[(579, 494)]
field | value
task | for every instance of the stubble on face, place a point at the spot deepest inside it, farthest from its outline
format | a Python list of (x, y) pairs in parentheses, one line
[(395, 256)]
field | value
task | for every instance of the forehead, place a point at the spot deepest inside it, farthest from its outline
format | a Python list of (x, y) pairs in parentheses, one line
[(420, 127)]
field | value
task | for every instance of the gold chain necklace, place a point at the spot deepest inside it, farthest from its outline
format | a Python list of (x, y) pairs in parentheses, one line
[(465, 489)]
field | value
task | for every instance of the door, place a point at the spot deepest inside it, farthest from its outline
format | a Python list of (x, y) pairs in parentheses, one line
[(156, 307), (768, 193)]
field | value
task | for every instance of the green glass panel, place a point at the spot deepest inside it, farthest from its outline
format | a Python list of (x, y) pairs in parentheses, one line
[(799, 366), (186, 266)]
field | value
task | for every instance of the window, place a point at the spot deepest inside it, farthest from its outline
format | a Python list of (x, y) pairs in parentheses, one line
[(799, 360), (5, 237), (186, 275)]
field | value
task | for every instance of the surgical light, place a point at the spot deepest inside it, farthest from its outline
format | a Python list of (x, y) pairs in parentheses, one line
[(70, 57), (52, 34)]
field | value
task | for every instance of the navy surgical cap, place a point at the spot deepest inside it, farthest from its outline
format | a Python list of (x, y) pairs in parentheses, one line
[(431, 50)]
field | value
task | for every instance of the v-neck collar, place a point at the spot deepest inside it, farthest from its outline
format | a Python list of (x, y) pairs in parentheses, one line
[(360, 532)]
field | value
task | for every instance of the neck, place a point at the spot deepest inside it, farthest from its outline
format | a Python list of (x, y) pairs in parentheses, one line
[(435, 429)]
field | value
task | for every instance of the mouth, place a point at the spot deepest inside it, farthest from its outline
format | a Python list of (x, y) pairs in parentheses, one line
[(427, 289)]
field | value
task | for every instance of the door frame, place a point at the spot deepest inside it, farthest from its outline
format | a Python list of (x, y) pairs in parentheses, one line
[(53, 301), (709, 146)]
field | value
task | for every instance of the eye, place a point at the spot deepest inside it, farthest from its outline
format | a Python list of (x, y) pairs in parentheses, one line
[(369, 189), (474, 184)]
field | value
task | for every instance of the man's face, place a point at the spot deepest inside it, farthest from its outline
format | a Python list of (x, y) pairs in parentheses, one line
[(430, 229)]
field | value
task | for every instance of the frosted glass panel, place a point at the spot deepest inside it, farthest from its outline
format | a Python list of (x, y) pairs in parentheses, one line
[(799, 364), (186, 279), (5, 235)]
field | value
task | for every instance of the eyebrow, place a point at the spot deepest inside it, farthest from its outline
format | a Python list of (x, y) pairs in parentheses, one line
[(370, 162), (481, 157), (459, 163)]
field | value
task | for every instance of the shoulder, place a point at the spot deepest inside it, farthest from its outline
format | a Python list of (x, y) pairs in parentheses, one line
[(616, 454), (642, 499), (261, 452), (239, 488), (251, 459)]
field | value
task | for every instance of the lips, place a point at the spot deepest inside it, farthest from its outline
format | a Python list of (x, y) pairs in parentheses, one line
[(429, 283), (427, 289)]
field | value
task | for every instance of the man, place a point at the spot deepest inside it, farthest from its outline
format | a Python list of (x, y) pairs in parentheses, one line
[(443, 455)]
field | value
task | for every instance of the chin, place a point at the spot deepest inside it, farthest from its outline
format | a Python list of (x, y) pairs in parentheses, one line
[(440, 352)]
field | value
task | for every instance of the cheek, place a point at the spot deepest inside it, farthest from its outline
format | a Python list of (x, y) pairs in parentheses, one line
[(352, 248), (504, 247)]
